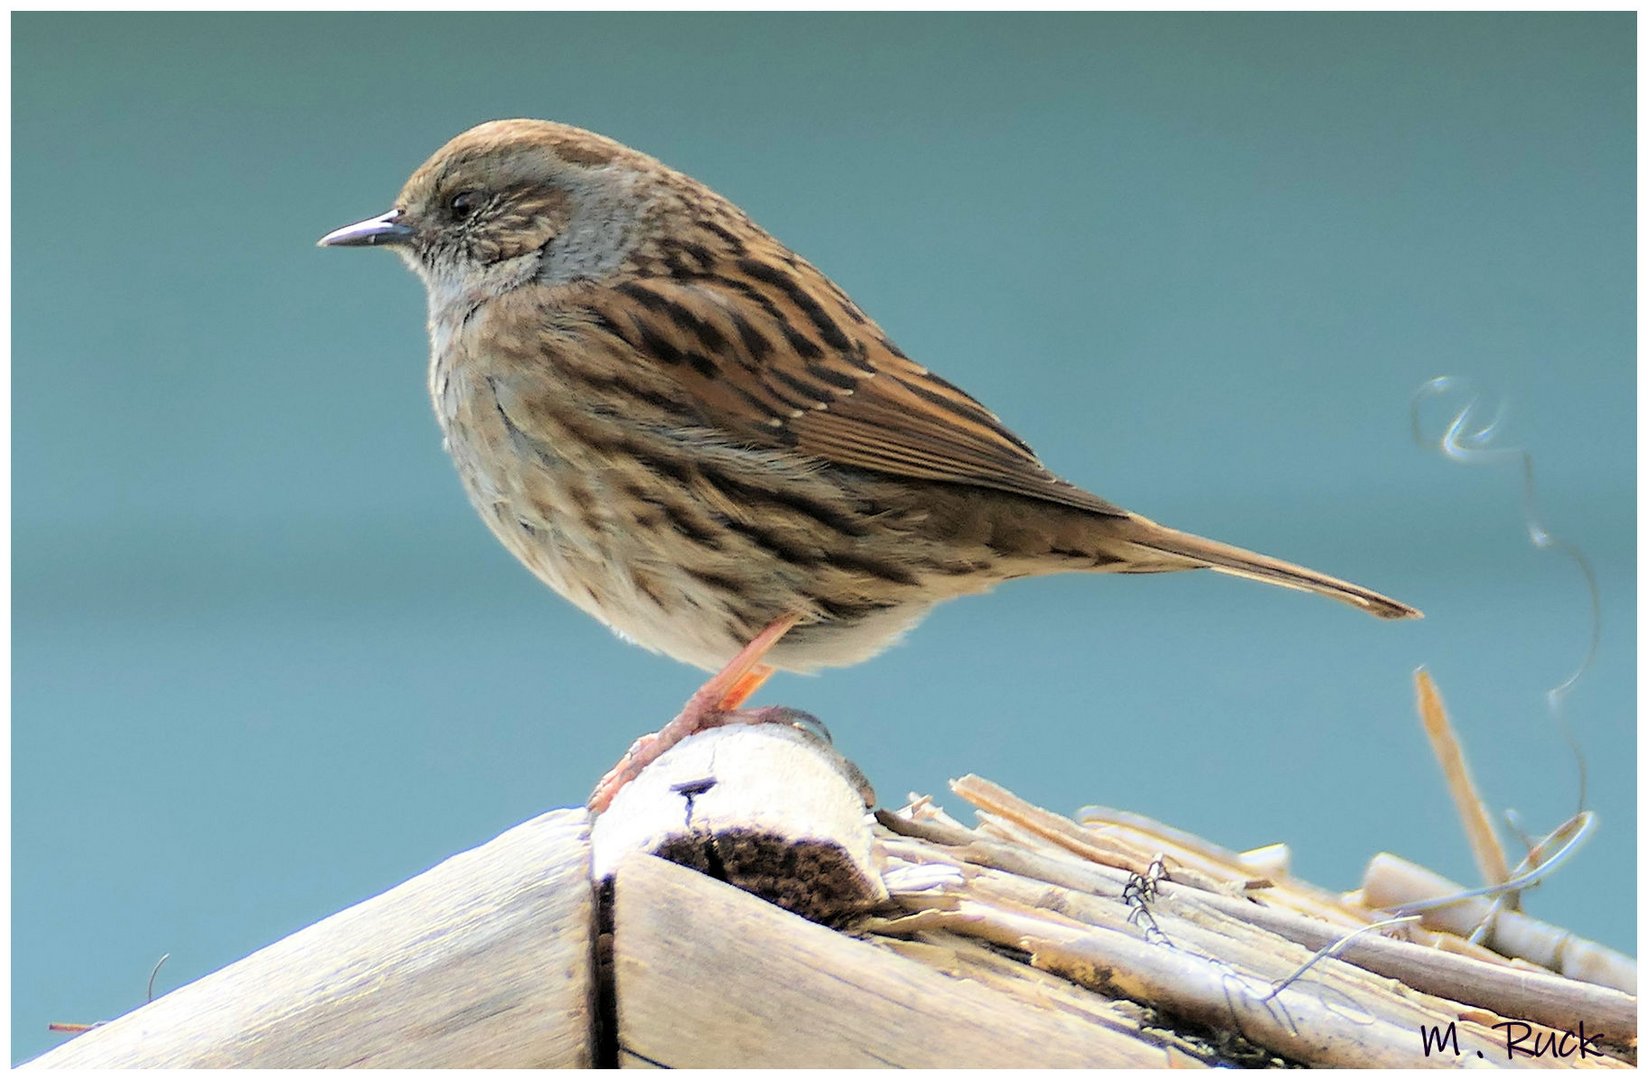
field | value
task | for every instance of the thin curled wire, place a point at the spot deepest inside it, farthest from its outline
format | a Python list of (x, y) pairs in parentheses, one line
[(1533, 869), (1333, 949), (1468, 441)]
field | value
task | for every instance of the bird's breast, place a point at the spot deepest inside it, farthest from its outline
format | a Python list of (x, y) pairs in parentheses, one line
[(675, 534), (593, 503)]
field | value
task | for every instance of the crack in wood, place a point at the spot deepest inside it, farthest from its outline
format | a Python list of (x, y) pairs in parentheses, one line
[(604, 985)]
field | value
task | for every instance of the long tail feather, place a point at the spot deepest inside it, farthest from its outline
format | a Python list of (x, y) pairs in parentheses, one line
[(1227, 559)]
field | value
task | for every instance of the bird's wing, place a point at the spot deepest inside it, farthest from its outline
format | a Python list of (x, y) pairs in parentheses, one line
[(773, 351)]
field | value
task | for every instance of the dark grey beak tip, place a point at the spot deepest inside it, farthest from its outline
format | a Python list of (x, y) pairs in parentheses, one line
[(383, 230)]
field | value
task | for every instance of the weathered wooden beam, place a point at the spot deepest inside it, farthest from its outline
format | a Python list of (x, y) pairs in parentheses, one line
[(485, 960), (768, 808), (494, 957), (708, 976)]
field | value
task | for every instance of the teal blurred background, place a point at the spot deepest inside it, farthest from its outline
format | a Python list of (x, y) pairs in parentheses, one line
[(267, 662)]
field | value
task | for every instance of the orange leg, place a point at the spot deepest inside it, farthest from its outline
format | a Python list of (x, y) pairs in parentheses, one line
[(747, 686), (711, 705)]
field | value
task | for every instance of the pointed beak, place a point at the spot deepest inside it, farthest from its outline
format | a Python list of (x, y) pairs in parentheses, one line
[(383, 230)]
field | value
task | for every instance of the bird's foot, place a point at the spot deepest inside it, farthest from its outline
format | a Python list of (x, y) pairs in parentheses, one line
[(715, 704)]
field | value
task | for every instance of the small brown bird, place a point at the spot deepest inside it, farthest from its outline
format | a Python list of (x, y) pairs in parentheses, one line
[(695, 436)]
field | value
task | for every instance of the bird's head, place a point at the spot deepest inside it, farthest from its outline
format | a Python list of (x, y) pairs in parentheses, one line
[(512, 201)]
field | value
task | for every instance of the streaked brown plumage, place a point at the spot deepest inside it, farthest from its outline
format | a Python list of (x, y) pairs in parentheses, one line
[(692, 434)]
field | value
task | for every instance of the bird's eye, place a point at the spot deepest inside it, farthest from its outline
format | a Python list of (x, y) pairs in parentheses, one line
[(465, 203)]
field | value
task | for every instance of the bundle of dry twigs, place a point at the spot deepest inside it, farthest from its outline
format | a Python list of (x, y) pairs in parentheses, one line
[(1222, 957)]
